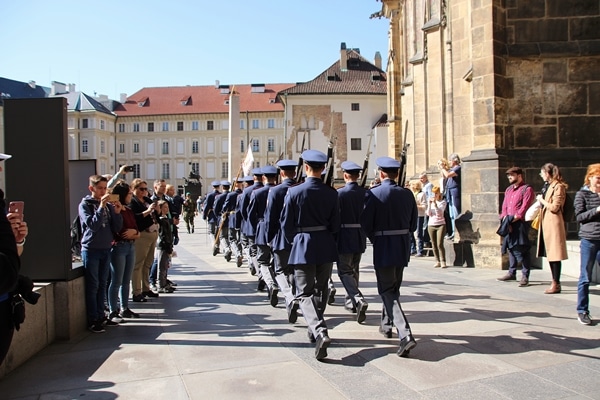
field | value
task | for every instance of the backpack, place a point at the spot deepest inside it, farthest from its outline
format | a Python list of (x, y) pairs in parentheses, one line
[(568, 211)]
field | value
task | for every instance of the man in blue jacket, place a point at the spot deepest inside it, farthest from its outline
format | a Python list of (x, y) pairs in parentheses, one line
[(310, 220), (352, 241), (208, 213), (389, 219), (100, 220)]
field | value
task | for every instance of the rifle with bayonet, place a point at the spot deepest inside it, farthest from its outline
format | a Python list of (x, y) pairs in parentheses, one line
[(365, 168), (225, 215), (330, 165), (300, 161), (403, 160)]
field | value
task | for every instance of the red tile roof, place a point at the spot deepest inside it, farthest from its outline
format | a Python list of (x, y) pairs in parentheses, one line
[(361, 77), (200, 100)]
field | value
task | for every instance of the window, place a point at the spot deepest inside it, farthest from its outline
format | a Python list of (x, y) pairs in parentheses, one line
[(102, 150), (102, 124), (150, 126), (84, 123), (136, 147), (136, 170), (165, 148), (195, 147), (271, 123), (195, 167), (71, 123), (136, 127), (242, 145), (121, 127), (194, 125), (165, 127), (210, 125), (179, 125), (355, 144), (224, 168), (121, 148), (242, 124), (166, 171), (225, 146), (271, 145), (256, 164), (255, 124), (84, 146), (355, 106), (255, 145)]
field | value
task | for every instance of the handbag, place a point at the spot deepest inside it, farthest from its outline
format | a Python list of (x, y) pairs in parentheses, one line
[(535, 224), (533, 212)]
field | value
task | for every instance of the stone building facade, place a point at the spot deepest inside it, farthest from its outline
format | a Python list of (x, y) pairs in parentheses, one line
[(501, 83)]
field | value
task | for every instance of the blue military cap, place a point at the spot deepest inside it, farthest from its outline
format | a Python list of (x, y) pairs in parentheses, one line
[(216, 183), (387, 163), (225, 183), (257, 171), (350, 166), (247, 178), (314, 157), (269, 170), (287, 164)]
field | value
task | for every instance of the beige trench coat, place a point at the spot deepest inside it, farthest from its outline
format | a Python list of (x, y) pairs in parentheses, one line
[(552, 227)]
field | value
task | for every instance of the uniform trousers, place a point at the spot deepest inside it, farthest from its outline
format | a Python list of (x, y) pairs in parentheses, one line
[(263, 257), (224, 239), (144, 256), (284, 275), (212, 230), (311, 292), (235, 243), (252, 254), (389, 280), (347, 269)]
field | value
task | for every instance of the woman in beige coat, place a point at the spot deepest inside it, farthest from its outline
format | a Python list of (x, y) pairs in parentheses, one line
[(552, 237)]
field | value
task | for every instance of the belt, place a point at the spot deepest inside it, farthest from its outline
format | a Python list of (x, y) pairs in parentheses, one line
[(350, 226), (391, 233), (312, 229)]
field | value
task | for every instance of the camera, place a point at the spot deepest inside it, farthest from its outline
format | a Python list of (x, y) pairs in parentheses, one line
[(128, 168)]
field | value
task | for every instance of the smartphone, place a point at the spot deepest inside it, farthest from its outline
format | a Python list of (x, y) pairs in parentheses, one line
[(129, 169), (16, 207), (113, 197)]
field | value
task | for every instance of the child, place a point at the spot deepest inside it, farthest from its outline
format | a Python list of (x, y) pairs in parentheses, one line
[(164, 247), (437, 226)]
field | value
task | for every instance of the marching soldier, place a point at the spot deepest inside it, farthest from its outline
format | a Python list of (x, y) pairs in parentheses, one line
[(352, 241), (208, 213), (189, 212), (256, 217), (281, 248), (222, 226), (247, 229), (310, 219), (234, 227), (389, 218)]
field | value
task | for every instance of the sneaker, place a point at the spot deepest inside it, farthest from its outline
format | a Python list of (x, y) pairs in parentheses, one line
[(139, 298), (171, 283), (127, 313), (524, 282), (419, 255), (153, 287), (150, 293), (166, 289), (96, 328), (507, 277), (115, 317), (331, 297), (584, 318)]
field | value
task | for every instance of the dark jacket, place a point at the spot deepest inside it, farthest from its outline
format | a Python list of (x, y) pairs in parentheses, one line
[(98, 224), (585, 204)]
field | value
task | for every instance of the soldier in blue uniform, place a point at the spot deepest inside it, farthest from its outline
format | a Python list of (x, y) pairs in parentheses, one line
[(389, 218), (352, 241), (256, 217), (280, 247), (229, 207), (208, 212), (310, 220), (222, 227), (247, 229)]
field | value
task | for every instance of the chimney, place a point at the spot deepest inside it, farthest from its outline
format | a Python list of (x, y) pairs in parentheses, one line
[(71, 87), (378, 59), (343, 57), (123, 98), (32, 84), (57, 88), (217, 84)]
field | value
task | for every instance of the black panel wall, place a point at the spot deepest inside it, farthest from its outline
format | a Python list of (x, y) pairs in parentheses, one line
[(35, 133)]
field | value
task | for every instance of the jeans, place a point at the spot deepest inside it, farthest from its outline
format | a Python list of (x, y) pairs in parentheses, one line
[(590, 252), (422, 234), (454, 207), (518, 254), (122, 260), (96, 264)]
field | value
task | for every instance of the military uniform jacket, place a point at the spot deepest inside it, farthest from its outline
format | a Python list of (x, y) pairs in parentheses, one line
[(218, 206), (310, 219), (256, 213), (352, 238), (389, 212), (247, 229), (208, 212), (230, 206), (275, 235)]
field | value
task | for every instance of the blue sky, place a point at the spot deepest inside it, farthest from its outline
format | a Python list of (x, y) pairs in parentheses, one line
[(113, 47)]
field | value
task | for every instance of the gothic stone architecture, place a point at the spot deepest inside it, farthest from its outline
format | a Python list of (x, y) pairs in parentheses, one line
[(501, 83)]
